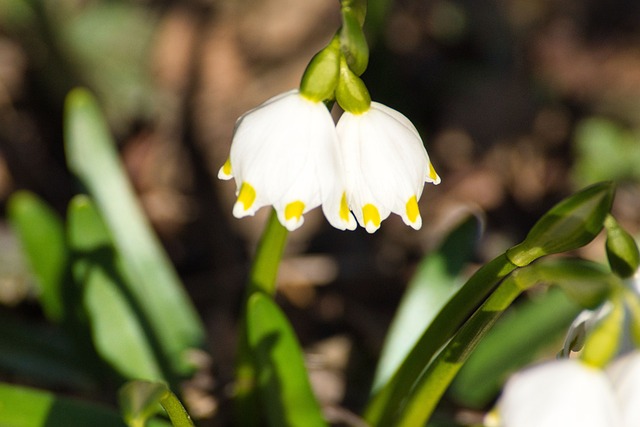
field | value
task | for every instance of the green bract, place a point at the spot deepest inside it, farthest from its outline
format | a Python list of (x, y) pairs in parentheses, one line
[(569, 225), (352, 95), (321, 76)]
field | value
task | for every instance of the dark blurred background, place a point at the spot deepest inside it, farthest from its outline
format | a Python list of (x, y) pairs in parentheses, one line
[(519, 102)]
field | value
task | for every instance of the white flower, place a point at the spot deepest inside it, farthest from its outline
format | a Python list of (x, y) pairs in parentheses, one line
[(562, 393), (284, 153), (624, 373), (385, 164)]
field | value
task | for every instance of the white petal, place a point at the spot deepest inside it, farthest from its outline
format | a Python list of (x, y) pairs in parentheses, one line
[(287, 150), (559, 393), (385, 163), (625, 376)]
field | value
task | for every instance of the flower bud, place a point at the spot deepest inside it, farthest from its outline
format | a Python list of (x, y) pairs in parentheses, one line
[(570, 224), (622, 250)]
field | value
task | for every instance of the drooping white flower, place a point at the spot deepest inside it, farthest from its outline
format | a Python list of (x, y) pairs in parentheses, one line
[(284, 153), (560, 393), (385, 166), (624, 374)]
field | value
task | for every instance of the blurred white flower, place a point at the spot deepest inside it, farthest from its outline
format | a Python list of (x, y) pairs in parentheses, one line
[(284, 153), (567, 392), (385, 166)]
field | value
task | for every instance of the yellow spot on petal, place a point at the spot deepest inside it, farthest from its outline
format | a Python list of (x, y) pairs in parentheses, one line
[(371, 215), (293, 210), (247, 195), (344, 208), (432, 174), (412, 209), (225, 170)]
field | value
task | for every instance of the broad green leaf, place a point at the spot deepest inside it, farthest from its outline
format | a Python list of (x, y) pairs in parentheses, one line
[(262, 278), (153, 283), (282, 378), (437, 278), (514, 342), (116, 327), (27, 407), (41, 234), (43, 354)]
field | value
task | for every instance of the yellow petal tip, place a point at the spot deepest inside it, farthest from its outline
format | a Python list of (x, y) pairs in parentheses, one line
[(371, 218), (225, 171)]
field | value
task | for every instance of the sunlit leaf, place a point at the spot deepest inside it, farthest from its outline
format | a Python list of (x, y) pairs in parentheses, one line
[(42, 237), (118, 334), (26, 407), (153, 283), (437, 278), (283, 381)]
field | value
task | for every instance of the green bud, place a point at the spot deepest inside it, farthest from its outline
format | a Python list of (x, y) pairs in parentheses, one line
[(632, 301), (570, 224), (352, 94), (321, 77), (603, 341), (353, 42), (622, 250)]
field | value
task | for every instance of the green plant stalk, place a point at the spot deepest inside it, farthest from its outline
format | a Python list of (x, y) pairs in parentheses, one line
[(262, 278), (176, 412), (436, 379), (264, 270), (389, 399), (582, 281)]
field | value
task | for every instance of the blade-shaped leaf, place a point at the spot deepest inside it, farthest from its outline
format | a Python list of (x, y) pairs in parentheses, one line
[(26, 407), (435, 281), (116, 327), (513, 343), (155, 285), (41, 234), (284, 385)]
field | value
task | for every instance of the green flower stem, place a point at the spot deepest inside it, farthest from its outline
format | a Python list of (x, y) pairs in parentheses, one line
[(176, 412), (267, 259), (262, 278), (568, 275), (434, 382), (387, 401)]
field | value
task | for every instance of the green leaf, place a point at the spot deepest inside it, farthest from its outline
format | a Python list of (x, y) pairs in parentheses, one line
[(570, 224), (283, 381), (262, 278), (140, 400), (116, 328), (385, 403), (154, 285), (42, 236), (514, 342), (27, 407), (437, 278), (43, 354)]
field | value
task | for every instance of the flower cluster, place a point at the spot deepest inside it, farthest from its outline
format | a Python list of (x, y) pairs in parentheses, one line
[(288, 152)]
